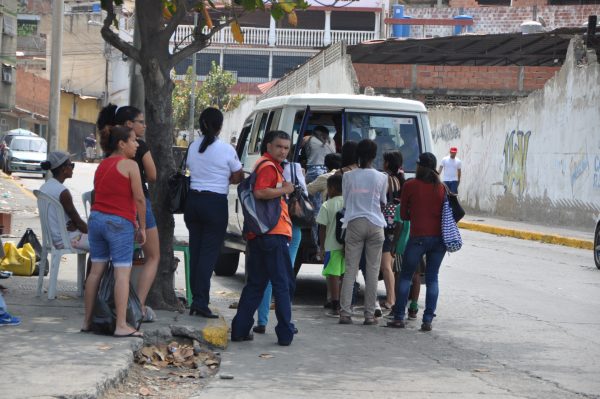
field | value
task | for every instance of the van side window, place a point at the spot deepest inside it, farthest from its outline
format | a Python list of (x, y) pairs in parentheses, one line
[(258, 132), (273, 122)]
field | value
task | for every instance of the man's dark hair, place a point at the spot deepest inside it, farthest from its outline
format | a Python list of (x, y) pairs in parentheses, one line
[(334, 182), (270, 136), (366, 152), (349, 153), (333, 161)]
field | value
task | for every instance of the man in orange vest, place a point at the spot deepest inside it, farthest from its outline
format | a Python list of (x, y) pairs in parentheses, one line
[(268, 257)]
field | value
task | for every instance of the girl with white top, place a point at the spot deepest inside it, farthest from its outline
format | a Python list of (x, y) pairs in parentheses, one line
[(213, 166), (364, 190)]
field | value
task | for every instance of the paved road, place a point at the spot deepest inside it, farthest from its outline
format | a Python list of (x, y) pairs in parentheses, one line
[(516, 319)]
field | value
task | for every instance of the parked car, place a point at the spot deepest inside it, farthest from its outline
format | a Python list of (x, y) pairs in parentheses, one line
[(597, 245), (5, 138), (24, 154), (393, 123)]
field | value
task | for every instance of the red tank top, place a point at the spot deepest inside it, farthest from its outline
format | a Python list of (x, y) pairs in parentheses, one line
[(113, 194)]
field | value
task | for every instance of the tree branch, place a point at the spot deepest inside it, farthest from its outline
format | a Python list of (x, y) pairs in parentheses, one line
[(200, 42), (113, 39)]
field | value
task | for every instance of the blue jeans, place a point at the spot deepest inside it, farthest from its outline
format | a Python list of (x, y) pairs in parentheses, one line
[(265, 305), (452, 185), (111, 237), (434, 250), (267, 258), (206, 219)]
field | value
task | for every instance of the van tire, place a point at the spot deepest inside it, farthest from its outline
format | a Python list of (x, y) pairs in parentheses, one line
[(227, 264)]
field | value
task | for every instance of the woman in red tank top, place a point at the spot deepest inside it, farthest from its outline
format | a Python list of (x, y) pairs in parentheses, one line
[(113, 225)]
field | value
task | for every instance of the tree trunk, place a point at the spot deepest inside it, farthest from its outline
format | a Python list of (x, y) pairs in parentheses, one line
[(160, 140), (158, 89)]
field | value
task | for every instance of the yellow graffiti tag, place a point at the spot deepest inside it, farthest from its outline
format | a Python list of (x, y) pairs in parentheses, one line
[(515, 162)]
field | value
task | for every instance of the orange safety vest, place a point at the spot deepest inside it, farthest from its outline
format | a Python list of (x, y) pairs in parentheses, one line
[(284, 226)]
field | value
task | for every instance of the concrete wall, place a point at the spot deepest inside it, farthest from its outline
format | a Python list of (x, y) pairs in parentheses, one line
[(537, 159), (234, 120)]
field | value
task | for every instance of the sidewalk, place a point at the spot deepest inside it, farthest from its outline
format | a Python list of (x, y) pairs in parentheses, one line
[(47, 356)]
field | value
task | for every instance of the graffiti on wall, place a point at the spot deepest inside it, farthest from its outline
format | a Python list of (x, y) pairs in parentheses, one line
[(516, 145), (446, 132), (597, 172), (577, 167)]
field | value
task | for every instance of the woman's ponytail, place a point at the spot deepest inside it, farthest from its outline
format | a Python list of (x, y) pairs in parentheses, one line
[(211, 121)]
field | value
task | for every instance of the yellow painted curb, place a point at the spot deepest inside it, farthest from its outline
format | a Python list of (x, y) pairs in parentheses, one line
[(217, 335), (19, 186), (528, 235)]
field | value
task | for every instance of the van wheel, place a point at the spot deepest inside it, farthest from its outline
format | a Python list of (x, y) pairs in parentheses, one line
[(227, 264)]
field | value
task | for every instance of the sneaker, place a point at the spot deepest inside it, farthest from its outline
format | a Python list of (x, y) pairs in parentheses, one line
[(370, 322), (8, 320), (345, 320), (412, 313), (377, 312), (259, 329), (333, 313), (396, 324), (328, 305), (426, 326)]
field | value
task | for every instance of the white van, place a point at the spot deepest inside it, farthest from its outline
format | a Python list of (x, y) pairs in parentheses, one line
[(393, 123)]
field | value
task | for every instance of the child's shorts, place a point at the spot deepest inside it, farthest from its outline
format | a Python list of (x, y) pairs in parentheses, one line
[(334, 263)]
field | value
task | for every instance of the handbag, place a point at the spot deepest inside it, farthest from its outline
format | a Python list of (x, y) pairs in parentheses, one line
[(104, 317), (450, 232), (300, 208), (179, 186), (457, 210), (30, 237), (20, 261), (389, 209)]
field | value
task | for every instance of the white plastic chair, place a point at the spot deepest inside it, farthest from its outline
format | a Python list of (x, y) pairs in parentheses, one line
[(86, 198), (47, 204)]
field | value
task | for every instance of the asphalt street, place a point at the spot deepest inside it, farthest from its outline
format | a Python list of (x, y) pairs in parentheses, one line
[(515, 319)]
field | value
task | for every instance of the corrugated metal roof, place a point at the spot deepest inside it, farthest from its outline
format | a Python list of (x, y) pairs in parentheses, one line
[(538, 49)]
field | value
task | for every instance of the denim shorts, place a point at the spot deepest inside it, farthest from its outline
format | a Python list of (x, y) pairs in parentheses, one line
[(150, 220), (111, 238)]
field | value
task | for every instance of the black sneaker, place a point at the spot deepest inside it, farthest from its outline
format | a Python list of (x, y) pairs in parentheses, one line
[(259, 329), (249, 337), (378, 313), (426, 326)]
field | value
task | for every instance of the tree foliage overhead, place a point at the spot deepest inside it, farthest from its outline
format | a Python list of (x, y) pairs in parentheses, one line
[(157, 21), (213, 92)]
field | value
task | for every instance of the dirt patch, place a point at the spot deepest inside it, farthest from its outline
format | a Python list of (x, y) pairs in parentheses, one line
[(177, 369)]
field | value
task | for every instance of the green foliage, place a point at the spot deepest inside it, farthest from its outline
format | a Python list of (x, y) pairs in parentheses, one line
[(214, 92)]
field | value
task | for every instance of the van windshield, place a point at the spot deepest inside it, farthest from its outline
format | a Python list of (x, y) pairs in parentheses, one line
[(19, 144), (390, 132)]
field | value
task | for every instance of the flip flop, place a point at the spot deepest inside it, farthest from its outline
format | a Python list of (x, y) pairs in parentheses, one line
[(134, 334)]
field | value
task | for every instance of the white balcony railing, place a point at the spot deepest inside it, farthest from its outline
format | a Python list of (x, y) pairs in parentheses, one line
[(308, 38)]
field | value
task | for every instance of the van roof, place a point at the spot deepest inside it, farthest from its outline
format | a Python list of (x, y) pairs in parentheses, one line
[(343, 101)]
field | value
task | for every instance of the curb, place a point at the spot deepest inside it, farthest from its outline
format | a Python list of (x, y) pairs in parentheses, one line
[(529, 235), (17, 185)]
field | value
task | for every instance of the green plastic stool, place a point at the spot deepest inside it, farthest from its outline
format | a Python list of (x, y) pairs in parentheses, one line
[(183, 246)]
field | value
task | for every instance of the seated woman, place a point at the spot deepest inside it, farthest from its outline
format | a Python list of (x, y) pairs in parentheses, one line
[(59, 163)]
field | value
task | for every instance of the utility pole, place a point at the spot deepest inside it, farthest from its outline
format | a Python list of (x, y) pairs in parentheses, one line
[(193, 89), (55, 66), (136, 85)]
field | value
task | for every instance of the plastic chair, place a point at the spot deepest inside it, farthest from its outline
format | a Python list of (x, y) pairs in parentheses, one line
[(86, 198), (47, 204)]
